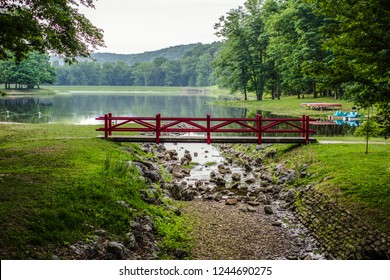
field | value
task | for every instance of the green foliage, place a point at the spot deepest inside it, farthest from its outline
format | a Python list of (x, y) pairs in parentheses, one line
[(55, 26), (32, 71), (369, 128), (360, 183), (57, 191), (358, 37), (193, 68), (243, 62)]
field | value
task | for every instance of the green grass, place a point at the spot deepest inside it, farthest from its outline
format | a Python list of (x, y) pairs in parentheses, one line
[(58, 183), (117, 90), (358, 182), (287, 106)]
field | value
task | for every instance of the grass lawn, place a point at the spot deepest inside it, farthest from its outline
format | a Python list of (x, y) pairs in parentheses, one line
[(359, 182), (118, 90), (58, 183), (288, 106)]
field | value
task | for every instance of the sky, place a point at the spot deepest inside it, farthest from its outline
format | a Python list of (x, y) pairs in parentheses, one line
[(136, 26)]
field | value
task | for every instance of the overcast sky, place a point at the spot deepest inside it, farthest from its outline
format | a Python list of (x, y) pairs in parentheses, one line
[(136, 26)]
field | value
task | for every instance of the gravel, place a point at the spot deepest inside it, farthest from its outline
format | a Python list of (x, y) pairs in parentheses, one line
[(230, 232)]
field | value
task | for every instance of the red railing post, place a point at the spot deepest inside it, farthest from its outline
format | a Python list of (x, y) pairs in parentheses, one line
[(110, 123), (158, 127), (259, 127), (208, 129), (303, 126), (307, 132), (105, 126)]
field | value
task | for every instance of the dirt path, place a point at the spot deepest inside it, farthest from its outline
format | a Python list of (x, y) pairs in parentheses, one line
[(224, 232)]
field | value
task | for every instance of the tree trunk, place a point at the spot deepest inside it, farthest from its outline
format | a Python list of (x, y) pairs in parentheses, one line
[(245, 94), (315, 94), (259, 94), (278, 86)]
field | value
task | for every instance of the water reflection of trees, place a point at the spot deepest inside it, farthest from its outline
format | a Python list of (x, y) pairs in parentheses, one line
[(25, 110), (74, 107), (321, 130)]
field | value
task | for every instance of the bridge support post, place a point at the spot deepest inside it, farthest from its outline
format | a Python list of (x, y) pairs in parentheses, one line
[(259, 127), (208, 129), (158, 127)]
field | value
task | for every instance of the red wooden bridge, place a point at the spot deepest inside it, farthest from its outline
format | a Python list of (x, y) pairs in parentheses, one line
[(160, 129)]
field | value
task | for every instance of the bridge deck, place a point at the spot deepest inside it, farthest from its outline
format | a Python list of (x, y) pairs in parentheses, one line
[(200, 139)]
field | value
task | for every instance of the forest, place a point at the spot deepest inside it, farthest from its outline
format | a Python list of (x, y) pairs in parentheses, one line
[(292, 47)]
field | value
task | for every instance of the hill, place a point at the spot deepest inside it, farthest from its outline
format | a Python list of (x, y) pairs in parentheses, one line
[(170, 53)]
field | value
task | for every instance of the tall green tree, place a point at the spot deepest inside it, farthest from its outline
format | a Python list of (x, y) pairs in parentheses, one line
[(358, 36), (47, 25), (295, 44), (360, 40), (31, 72), (245, 48)]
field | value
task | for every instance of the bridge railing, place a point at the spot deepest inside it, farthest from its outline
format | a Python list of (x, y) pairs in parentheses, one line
[(208, 125)]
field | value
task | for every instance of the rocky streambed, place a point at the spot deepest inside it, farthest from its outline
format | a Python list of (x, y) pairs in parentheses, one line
[(241, 208)]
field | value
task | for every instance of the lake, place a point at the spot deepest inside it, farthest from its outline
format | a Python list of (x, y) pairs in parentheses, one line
[(82, 107)]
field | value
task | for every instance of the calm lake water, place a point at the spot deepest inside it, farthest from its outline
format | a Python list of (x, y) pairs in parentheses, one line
[(81, 108), (84, 107)]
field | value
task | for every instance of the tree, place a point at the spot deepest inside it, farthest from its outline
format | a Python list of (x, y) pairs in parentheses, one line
[(32, 71), (244, 31), (369, 128), (358, 36), (47, 25)]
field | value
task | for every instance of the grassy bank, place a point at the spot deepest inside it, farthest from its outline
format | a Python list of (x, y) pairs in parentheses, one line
[(58, 185), (288, 106), (356, 181)]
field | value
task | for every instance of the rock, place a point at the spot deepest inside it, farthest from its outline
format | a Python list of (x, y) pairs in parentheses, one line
[(250, 179), (213, 175), (268, 210), (220, 181), (198, 183), (236, 177), (175, 191), (217, 196), (231, 201), (195, 154), (172, 153), (290, 195), (116, 249), (277, 224), (262, 198), (252, 209), (130, 241), (253, 203), (177, 172), (189, 195), (243, 188), (184, 161), (248, 167), (154, 176), (223, 169)]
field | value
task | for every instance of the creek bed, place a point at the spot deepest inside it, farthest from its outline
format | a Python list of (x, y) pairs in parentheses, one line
[(244, 226)]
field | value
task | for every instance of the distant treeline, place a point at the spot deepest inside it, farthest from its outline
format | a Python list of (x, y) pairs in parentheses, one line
[(181, 66)]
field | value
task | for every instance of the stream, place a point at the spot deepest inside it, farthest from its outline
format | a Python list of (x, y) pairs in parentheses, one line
[(225, 182)]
